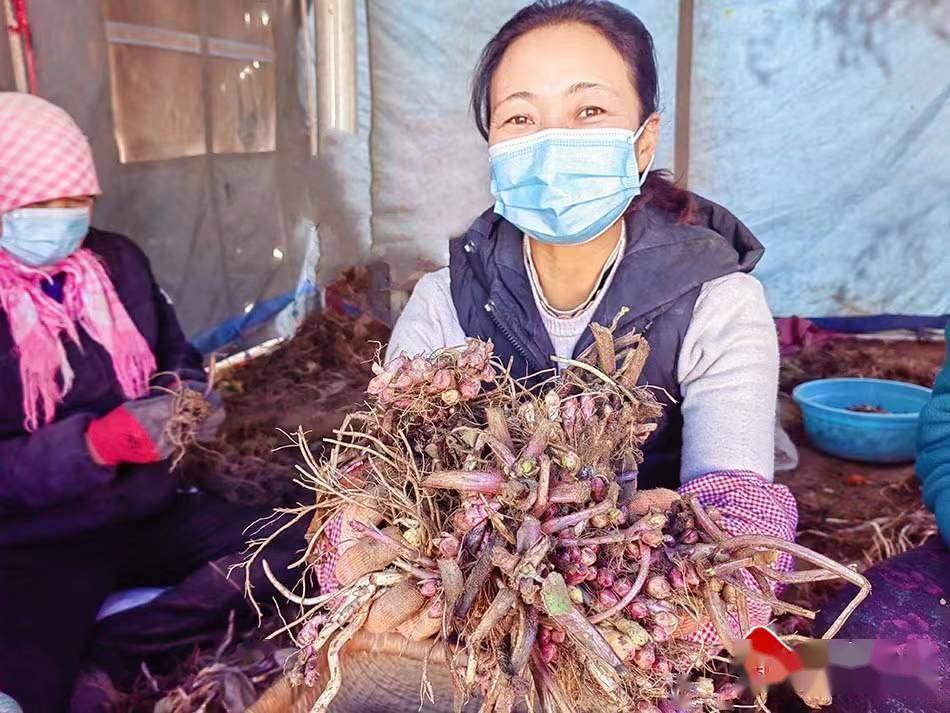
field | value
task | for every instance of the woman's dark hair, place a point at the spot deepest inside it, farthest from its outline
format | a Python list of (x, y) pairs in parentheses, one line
[(630, 38)]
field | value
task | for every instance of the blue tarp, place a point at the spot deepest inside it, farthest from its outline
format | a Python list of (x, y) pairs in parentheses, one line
[(235, 329), (238, 330), (881, 323)]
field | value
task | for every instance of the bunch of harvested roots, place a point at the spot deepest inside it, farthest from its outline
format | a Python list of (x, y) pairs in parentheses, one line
[(510, 513), (190, 410)]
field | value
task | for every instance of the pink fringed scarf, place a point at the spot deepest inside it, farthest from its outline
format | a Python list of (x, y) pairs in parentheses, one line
[(40, 325)]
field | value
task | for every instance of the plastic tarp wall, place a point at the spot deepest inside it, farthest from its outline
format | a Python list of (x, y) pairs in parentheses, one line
[(430, 165), (820, 123), (825, 125), (226, 231)]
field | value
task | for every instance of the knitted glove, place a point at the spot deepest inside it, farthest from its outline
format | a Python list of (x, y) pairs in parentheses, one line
[(132, 433), (749, 505), (135, 431)]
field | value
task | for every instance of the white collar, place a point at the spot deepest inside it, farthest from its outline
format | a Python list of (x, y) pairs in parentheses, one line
[(609, 266)]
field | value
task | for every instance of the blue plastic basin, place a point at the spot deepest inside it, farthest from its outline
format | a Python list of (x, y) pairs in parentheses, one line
[(871, 437)]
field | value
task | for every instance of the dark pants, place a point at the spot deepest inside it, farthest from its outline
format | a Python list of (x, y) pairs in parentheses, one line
[(50, 595), (909, 601)]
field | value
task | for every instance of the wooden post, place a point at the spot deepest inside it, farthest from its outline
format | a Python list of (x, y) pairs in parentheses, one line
[(684, 81), (16, 49)]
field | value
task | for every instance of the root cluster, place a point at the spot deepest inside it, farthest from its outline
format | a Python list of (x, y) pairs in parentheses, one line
[(510, 512), (190, 410)]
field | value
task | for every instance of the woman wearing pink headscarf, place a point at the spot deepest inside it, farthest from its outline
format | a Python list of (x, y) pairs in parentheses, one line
[(87, 504)]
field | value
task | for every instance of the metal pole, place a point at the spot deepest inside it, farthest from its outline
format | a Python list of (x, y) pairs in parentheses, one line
[(306, 25), (336, 64)]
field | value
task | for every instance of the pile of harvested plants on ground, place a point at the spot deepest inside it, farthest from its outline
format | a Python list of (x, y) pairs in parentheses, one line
[(508, 509), (312, 380)]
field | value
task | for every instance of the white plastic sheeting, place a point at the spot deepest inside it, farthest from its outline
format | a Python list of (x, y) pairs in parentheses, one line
[(820, 123), (343, 204), (224, 232), (430, 165), (825, 125)]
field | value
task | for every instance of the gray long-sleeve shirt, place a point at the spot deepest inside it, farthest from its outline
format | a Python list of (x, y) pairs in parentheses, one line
[(728, 365)]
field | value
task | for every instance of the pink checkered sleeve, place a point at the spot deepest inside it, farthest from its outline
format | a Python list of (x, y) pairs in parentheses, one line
[(750, 505), (328, 554)]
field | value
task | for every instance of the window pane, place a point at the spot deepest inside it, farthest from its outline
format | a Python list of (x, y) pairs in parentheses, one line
[(244, 20), (158, 103), (242, 106)]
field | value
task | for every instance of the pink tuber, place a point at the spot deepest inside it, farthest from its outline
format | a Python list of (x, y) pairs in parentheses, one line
[(667, 620), (607, 598), (659, 634), (449, 546), (622, 586), (637, 610), (677, 579), (588, 556), (644, 658), (658, 588)]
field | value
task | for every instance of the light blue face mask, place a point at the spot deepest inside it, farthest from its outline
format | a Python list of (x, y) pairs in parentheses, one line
[(43, 236), (566, 186)]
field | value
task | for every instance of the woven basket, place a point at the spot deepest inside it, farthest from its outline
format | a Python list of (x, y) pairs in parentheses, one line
[(381, 674)]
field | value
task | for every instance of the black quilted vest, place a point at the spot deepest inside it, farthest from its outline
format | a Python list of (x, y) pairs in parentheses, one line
[(659, 279)]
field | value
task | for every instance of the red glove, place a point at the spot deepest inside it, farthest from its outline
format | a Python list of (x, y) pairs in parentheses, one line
[(132, 433)]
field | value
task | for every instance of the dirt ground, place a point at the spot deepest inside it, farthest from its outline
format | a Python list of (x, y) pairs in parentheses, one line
[(914, 361), (855, 512)]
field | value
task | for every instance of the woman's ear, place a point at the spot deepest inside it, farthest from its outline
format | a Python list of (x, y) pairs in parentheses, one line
[(646, 144)]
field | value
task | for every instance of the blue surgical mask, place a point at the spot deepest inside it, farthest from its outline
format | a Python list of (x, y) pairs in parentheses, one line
[(41, 237), (566, 186)]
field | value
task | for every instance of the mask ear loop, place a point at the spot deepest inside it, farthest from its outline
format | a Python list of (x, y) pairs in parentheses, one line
[(642, 177), (646, 171)]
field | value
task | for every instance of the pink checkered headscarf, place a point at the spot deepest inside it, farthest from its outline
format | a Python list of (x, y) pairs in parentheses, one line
[(44, 156)]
